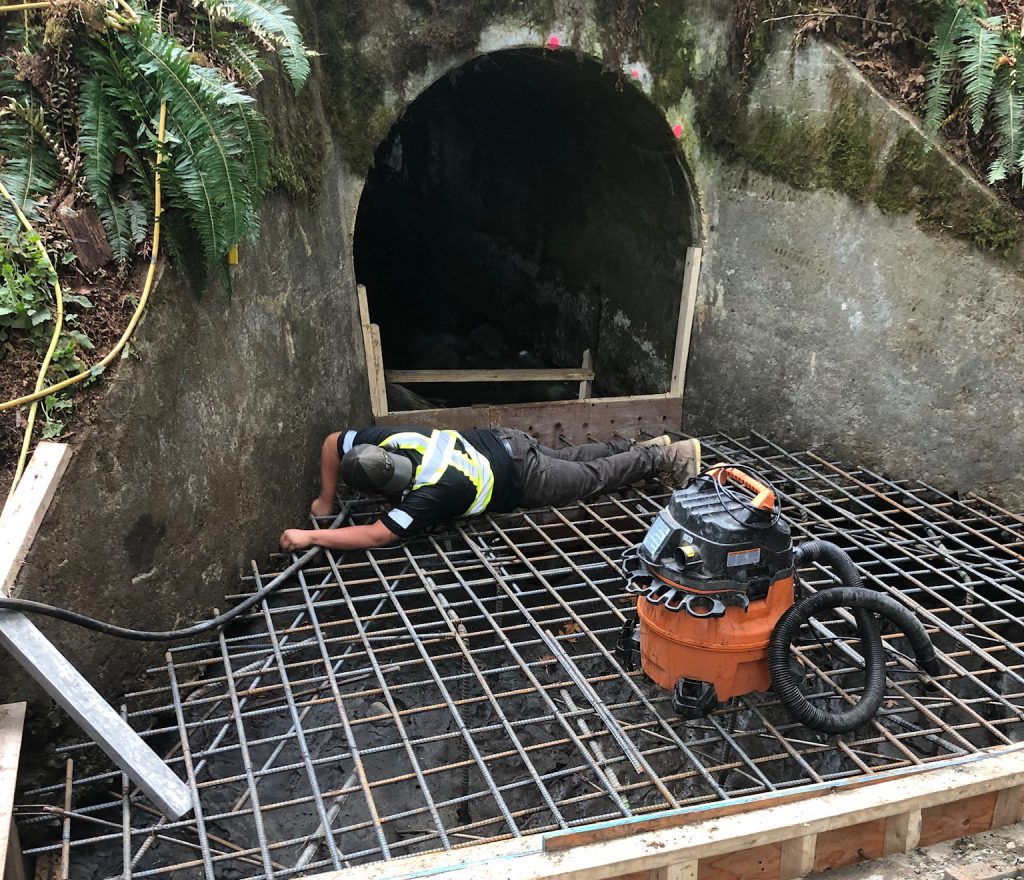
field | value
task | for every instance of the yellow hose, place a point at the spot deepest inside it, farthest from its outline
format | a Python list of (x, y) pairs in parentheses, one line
[(41, 392), (146, 288), (58, 326), (38, 4)]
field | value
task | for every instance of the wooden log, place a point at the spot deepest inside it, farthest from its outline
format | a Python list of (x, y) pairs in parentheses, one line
[(380, 391), (88, 238)]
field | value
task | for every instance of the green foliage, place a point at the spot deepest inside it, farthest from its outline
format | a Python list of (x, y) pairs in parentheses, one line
[(215, 166), (1008, 113), (28, 167), (103, 138), (27, 305), (25, 285), (269, 22), (978, 54), (54, 406)]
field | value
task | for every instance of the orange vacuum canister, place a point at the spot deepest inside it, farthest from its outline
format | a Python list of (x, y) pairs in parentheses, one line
[(712, 578)]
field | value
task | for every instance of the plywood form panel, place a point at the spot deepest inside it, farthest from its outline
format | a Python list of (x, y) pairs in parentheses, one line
[(847, 846), (958, 819), (757, 863)]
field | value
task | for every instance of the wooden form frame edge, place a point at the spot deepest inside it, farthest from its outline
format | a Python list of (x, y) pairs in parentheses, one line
[(12, 722), (684, 329), (377, 376), (374, 357), (24, 514), (902, 799)]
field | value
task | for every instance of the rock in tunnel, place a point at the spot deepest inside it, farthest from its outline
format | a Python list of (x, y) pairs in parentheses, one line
[(527, 206)]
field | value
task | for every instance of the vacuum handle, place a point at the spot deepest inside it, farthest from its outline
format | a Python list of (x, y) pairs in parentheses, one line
[(764, 498)]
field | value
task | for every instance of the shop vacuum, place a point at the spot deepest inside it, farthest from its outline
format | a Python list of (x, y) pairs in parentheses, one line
[(717, 608)]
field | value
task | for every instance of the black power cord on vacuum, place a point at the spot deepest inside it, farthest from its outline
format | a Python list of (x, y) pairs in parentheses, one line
[(27, 606)]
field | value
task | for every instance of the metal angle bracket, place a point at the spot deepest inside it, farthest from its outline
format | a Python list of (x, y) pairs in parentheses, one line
[(94, 715)]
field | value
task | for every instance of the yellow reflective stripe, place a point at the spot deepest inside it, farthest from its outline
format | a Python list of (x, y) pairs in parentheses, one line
[(440, 451), (478, 470), (436, 458), (407, 440)]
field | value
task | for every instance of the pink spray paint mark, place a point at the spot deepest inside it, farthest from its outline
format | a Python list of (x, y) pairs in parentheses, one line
[(677, 130), (636, 74), (554, 41)]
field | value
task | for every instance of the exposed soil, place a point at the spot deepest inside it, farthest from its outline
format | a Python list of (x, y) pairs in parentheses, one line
[(114, 299)]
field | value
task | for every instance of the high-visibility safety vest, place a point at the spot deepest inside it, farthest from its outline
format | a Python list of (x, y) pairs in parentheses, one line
[(440, 451)]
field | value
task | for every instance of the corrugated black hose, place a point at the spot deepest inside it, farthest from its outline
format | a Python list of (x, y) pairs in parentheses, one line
[(864, 603)]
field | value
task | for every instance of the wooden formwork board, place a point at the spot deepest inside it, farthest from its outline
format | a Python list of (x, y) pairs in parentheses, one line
[(779, 836), (576, 420), (12, 720)]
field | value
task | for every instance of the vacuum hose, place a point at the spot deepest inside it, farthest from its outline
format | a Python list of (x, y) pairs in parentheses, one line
[(864, 603)]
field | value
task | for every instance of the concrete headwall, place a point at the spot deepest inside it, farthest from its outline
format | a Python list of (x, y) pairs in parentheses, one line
[(858, 294), (202, 448)]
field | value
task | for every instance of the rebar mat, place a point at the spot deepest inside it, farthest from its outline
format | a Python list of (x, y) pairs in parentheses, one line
[(464, 687)]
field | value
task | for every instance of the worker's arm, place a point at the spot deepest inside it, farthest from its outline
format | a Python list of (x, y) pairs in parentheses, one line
[(345, 538)]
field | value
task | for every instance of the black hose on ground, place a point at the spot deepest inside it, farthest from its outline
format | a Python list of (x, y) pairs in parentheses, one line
[(864, 604), (27, 606)]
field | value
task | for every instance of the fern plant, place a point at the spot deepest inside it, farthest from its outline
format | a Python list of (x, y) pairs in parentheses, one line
[(215, 150), (979, 52), (28, 167), (215, 168), (269, 22)]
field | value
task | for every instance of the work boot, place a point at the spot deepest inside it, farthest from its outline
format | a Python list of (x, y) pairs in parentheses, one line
[(663, 440), (682, 462)]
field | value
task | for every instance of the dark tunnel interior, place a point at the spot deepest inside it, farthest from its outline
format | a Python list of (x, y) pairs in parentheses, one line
[(527, 206)]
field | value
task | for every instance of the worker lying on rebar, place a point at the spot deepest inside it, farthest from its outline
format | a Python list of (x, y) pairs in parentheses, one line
[(433, 476)]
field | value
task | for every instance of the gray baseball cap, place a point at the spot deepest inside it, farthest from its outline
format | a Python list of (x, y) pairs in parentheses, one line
[(372, 469)]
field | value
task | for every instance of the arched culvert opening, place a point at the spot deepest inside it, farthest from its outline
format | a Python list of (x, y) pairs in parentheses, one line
[(526, 207)]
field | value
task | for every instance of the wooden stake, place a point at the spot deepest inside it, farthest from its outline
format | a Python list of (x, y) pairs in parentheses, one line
[(797, 856), (679, 871), (12, 721), (1009, 809), (24, 513), (372, 353), (587, 385), (687, 304), (902, 832)]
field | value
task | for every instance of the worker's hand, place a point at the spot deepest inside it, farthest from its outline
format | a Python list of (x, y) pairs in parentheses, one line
[(319, 507), (296, 539)]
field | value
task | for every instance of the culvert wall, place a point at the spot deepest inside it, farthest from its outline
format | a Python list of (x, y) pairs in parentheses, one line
[(828, 312)]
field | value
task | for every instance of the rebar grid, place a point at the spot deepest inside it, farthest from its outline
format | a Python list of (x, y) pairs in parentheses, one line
[(464, 687)]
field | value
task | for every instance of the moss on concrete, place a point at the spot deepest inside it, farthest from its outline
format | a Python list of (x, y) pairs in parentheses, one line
[(356, 82), (832, 153), (298, 142), (352, 84), (668, 44), (922, 182)]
